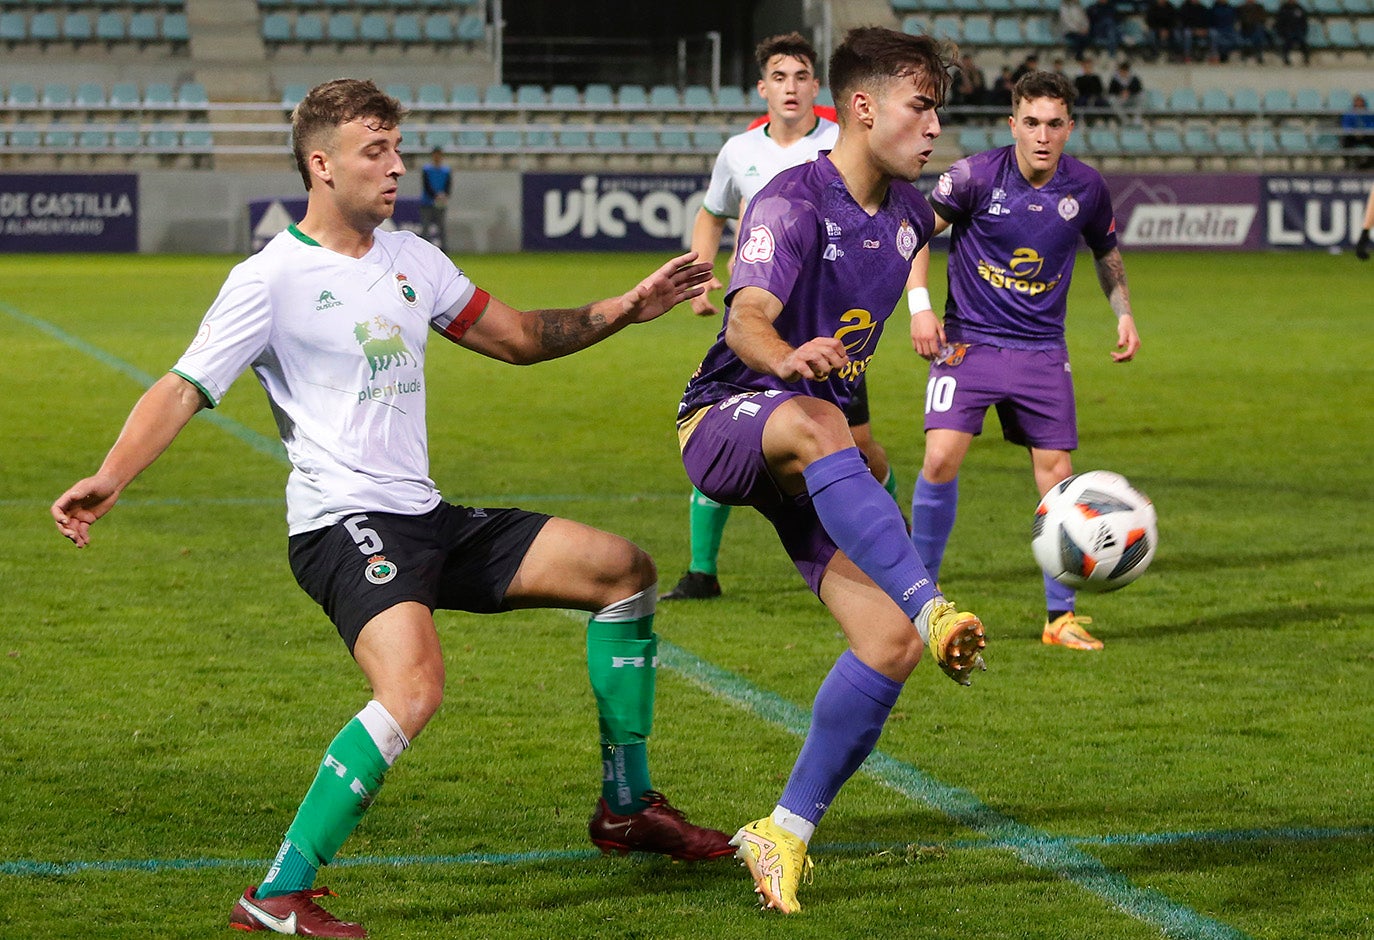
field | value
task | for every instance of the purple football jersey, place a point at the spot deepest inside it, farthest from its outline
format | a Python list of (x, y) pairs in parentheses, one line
[(837, 270), (1012, 246)]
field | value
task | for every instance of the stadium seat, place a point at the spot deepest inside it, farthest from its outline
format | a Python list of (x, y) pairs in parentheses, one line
[(673, 139), (198, 140), (608, 140), (163, 140), (401, 91), (1135, 141), (1197, 140), (176, 29), (598, 95), (698, 96), (1230, 141), (472, 140), (573, 139), (538, 140), (309, 30), (1246, 99), (664, 96), (1006, 31), (466, 95), (1316, 34), (444, 140), (974, 139), (498, 95), (471, 28), (438, 29), (1364, 32), (77, 28), (632, 96), (1277, 100), (276, 27), (730, 96), (124, 96), (565, 96), (192, 96), (642, 141), (1183, 101), (373, 28), (90, 95), (59, 137), (1040, 33), (44, 28), (526, 95), (24, 138), (1359, 7), (127, 137), (1293, 140), (1103, 140), (431, 97), (1166, 141), (109, 28), (292, 93), (967, 6), (999, 7), (341, 28), (823, 97), (977, 31), (1340, 34), (405, 29), (1327, 7), (906, 6), (1261, 140), (1215, 101), (91, 139), (22, 95), (707, 138), (913, 26), (56, 95), (157, 96), (14, 28), (1340, 99)]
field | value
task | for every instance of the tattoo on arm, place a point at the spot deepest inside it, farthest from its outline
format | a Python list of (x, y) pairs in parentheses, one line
[(1111, 274), (561, 332)]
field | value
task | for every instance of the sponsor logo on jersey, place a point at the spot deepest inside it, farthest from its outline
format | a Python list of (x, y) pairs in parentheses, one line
[(759, 248), (1068, 208), (832, 252), (379, 570), (945, 185), (832, 229), (752, 171), (872, 243), (1026, 262), (998, 209), (327, 300), (202, 337), (1010, 278), (906, 240), (382, 344), (1035, 207), (857, 335), (407, 292)]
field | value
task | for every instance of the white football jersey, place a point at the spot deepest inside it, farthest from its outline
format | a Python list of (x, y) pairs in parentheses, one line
[(747, 161), (338, 344)]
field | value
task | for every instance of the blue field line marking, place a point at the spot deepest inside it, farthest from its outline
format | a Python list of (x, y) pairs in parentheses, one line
[(33, 869), (258, 442), (1037, 849)]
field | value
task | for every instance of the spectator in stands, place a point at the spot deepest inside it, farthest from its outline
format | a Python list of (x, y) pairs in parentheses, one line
[(1126, 92), (970, 84), (1105, 29), (1074, 27), (1222, 30), (1357, 134), (1091, 93), (1161, 30), (999, 95), (1252, 22), (1195, 27), (437, 184), (1030, 64), (1290, 25)]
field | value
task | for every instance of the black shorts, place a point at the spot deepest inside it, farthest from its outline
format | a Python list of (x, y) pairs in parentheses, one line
[(856, 412), (450, 558)]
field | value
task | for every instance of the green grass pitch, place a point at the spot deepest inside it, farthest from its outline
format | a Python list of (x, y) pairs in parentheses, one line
[(166, 694)]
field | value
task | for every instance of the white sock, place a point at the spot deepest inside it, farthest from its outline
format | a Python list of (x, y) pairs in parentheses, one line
[(802, 828)]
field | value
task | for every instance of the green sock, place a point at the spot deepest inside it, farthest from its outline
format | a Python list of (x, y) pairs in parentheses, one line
[(621, 663), (890, 484), (348, 779), (707, 520)]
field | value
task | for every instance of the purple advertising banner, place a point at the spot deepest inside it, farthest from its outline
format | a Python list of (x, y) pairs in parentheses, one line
[(1187, 211), (1306, 211), (610, 211), (267, 217), (68, 212)]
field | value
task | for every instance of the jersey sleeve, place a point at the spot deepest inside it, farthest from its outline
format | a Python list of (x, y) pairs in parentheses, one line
[(722, 195), (1099, 228), (459, 303), (234, 333), (777, 235), (955, 194)]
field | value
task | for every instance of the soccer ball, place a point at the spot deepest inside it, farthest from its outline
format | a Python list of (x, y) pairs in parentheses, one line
[(1094, 532)]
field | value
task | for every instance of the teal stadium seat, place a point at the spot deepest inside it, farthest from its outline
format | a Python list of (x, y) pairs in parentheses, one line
[(1327, 7), (1316, 35), (92, 139), (913, 25), (573, 140), (1135, 141), (565, 96), (730, 96), (471, 28), (373, 29), (59, 137), (1261, 140), (438, 29), (109, 28), (292, 93), (24, 138), (1364, 32), (465, 95), (431, 97), (538, 140), (1340, 99), (157, 96), (1001, 9), (1166, 141), (1040, 33), (632, 96), (56, 95), (309, 29), (974, 139), (472, 140), (164, 141), (127, 137), (276, 28), (1184, 101), (406, 30), (906, 6), (198, 140), (1340, 34), (1230, 141), (90, 95), (498, 95), (641, 141), (598, 95), (527, 95), (1006, 31), (444, 140), (664, 96), (22, 95), (977, 32), (608, 140), (1308, 100), (401, 91), (1293, 140), (14, 28), (1277, 100), (1216, 101), (77, 28), (710, 139), (124, 96), (825, 98), (1197, 140), (698, 96), (192, 96), (1359, 7), (341, 29), (673, 139), (1246, 99), (176, 29), (44, 28), (1103, 140)]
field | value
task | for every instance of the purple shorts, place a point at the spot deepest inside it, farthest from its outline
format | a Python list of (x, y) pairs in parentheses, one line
[(1032, 390), (724, 460)]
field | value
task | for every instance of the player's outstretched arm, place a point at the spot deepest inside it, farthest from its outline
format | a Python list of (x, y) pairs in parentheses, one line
[(524, 337), (751, 335), (707, 230), (1111, 274), (1362, 243), (927, 332), (154, 423)]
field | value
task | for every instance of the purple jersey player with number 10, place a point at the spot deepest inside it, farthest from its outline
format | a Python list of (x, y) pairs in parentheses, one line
[(823, 255), (1018, 214)]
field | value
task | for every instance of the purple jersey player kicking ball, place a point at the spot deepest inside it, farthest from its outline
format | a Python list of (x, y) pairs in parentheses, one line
[(1018, 214), (823, 254)]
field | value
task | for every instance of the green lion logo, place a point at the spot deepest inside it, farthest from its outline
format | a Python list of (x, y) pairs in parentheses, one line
[(384, 350)]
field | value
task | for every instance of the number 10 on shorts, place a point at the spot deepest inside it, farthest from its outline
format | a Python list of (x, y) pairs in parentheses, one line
[(939, 393)]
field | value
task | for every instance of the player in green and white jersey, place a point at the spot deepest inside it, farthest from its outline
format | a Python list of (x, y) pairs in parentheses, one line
[(333, 316)]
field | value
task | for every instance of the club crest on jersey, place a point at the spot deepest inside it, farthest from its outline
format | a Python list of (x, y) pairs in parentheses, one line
[(407, 292), (945, 186), (906, 240), (379, 570), (1068, 208), (759, 248)]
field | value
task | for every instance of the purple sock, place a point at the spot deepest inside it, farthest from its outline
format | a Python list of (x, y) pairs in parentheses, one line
[(1058, 596), (933, 506), (851, 706), (867, 526)]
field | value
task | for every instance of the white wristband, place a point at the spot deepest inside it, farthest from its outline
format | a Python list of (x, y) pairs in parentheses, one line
[(918, 299)]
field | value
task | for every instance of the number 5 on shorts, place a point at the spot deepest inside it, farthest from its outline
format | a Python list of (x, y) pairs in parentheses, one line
[(368, 541), (939, 393)]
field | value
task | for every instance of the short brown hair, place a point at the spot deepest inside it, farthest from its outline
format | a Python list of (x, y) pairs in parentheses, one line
[(334, 103), (792, 44), (1041, 84), (872, 54)]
